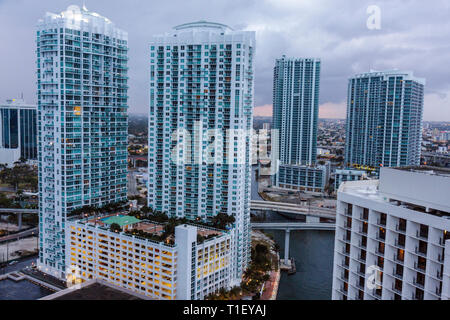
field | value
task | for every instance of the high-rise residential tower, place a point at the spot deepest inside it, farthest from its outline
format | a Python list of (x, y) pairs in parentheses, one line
[(82, 105), (200, 119), (392, 238), (296, 109), (295, 115), (384, 119), (18, 131)]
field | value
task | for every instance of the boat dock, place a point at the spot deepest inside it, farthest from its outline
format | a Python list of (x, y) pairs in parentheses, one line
[(289, 266)]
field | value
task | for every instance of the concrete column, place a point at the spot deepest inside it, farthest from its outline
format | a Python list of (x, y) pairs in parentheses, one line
[(286, 246), (312, 219), (19, 220)]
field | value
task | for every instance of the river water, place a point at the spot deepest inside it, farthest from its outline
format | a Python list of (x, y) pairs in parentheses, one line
[(313, 254)]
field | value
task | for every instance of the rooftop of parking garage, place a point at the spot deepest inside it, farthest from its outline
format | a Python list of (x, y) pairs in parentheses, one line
[(134, 225), (95, 290)]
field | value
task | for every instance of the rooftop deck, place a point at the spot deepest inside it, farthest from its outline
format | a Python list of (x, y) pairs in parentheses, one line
[(151, 227)]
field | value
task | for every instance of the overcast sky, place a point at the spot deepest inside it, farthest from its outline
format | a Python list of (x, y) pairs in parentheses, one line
[(414, 35)]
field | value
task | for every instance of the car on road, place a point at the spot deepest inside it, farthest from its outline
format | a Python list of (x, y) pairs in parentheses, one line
[(13, 262)]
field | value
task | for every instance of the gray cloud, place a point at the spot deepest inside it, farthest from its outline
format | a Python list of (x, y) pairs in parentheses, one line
[(414, 35)]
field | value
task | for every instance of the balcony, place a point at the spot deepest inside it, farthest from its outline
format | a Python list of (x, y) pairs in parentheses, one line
[(420, 284), (381, 236), (421, 267), (400, 244), (363, 230), (420, 252)]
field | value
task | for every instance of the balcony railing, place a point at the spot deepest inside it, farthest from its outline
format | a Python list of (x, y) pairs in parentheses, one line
[(419, 267), (419, 284), (420, 253), (398, 244), (396, 289)]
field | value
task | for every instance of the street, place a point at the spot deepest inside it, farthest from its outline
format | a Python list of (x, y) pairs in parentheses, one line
[(23, 234), (20, 265), (132, 184)]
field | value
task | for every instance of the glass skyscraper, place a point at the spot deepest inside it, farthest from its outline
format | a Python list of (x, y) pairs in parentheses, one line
[(82, 103), (384, 119), (296, 88), (200, 119), (18, 131), (296, 109)]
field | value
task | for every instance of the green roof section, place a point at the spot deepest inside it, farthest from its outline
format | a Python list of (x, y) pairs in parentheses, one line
[(121, 220)]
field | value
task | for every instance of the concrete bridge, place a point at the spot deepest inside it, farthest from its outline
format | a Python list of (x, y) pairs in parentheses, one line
[(292, 226), (312, 213), (19, 213), (18, 236)]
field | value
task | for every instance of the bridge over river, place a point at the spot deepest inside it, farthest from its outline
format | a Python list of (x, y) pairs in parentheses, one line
[(292, 226)]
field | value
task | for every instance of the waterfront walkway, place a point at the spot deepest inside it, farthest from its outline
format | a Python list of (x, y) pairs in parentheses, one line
[(271, 286)]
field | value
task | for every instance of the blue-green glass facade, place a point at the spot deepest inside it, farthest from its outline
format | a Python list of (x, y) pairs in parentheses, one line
[(10, 128), (18, 128), (384, 120), (83, 129), (200, 117), (296, 109)]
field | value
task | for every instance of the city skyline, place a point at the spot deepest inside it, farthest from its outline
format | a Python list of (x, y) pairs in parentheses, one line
[(192, 200), (345, 46)]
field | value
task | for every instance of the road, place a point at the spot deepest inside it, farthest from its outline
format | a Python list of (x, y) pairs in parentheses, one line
[(20, 265), (294, 209), (18, 210), (22, 234), (132, 184)]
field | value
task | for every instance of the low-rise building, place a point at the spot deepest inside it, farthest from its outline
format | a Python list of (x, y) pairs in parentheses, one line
[(142, 256), (342, 175), (302, 177)]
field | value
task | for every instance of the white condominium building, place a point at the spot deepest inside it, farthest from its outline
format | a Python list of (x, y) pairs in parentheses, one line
[(82, 122), (190, 264), (393, 236), (200, 120)]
